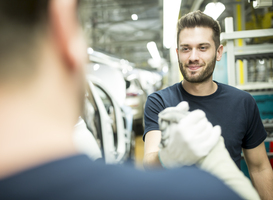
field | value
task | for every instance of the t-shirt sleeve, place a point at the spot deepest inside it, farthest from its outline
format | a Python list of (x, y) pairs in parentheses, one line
[(154, 105), (256, 133)]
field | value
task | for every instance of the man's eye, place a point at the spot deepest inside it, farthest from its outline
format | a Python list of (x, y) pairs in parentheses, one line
[(184, 49), (203, 48)]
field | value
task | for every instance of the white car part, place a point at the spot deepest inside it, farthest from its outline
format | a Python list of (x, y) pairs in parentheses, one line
[(85, 141), (107, 131), (113, 154)]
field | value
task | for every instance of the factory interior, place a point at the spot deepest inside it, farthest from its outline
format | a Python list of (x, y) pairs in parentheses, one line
[(142, 87)]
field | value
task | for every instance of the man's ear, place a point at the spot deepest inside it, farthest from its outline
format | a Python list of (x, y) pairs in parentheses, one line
[(219, 52), (177, 54), (66, 31)]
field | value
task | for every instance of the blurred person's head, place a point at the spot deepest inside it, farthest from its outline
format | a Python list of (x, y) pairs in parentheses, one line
[(42, 57), (41, 41), (198, 46)]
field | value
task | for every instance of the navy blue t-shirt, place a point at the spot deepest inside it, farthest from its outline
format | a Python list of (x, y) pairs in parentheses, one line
[(234, 110), (78, 177)]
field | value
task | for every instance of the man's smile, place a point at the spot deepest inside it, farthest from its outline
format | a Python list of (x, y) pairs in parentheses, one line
[(194, 67)]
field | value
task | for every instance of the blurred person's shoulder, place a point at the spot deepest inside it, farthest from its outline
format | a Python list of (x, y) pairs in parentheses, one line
[(77, 177), (46, 180)]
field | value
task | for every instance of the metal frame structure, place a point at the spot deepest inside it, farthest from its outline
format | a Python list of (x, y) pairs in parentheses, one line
[(245, 52)]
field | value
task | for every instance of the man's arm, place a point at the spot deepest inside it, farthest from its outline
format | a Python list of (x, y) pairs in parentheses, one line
[(260, 170), (191, 139), (152, 140)]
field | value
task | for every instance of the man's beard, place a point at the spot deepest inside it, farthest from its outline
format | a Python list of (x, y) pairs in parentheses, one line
[(203, 76)]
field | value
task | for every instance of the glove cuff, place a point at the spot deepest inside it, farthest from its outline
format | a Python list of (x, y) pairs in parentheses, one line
[(160, 160)]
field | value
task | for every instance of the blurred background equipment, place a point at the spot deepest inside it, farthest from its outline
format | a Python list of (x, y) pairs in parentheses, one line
[(262, 3), (85, 141), (111, 123), (111, 77), (248, 67), (135, 97)]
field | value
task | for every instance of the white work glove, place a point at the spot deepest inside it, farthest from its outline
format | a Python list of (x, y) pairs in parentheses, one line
[(185, 142), (219, 163), (171, 115)]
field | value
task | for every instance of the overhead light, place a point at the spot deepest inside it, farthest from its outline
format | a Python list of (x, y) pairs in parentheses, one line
[(165, 69), (262, 3), (170, 17), (90, 50), (96, 67), (134, 17), (261, 61), (152, 48), (214, 9)]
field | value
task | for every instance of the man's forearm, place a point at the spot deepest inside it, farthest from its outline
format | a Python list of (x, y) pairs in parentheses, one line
[(151, 161), (219, 163), (263, 182)]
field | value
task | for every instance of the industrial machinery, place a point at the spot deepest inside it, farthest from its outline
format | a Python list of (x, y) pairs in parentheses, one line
[(250, 68)]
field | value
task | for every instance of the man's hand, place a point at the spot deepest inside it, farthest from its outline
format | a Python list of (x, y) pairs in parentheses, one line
[(186, 137), (153, 138)]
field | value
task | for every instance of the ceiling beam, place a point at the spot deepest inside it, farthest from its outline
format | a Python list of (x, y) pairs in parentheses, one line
[(128, 43), (113, 22), (125, 4), (196, 5)]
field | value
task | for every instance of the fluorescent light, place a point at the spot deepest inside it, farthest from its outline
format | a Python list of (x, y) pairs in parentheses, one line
[(262, 3), (152, 48), (134, 17), (170, 18), (214, 9), (90, 50)]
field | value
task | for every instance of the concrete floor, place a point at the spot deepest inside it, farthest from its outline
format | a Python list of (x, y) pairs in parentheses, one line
[(139, 145)]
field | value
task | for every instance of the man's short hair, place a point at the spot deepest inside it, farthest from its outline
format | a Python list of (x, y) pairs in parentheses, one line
[(21, 22), (199, 19), (27, 12)]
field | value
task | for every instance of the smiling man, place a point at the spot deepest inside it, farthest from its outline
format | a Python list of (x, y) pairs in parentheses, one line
[(198, 42)]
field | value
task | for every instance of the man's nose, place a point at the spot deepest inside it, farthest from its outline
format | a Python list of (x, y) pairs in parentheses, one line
[(194, 56)]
